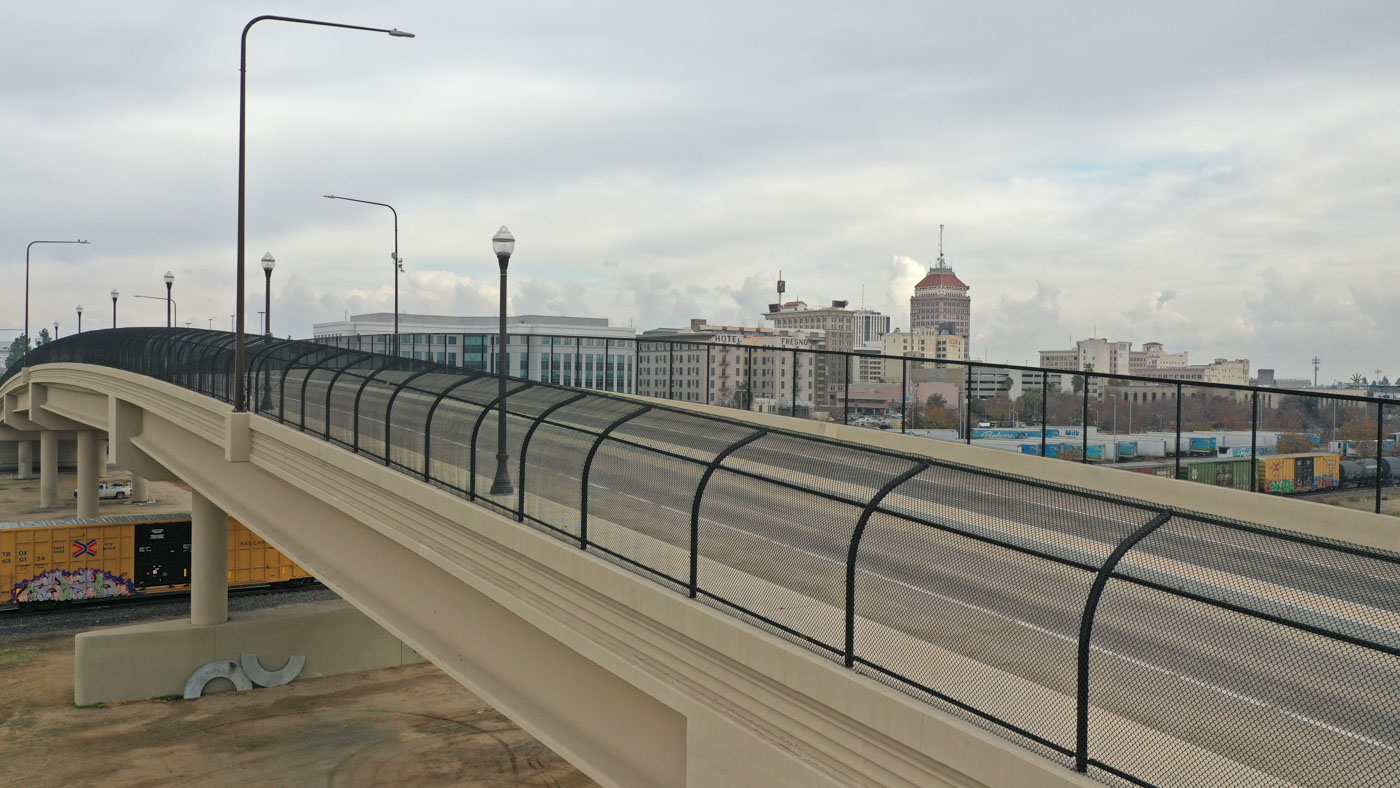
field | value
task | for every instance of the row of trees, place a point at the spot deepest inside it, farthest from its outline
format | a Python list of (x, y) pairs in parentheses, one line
[(19, 346)]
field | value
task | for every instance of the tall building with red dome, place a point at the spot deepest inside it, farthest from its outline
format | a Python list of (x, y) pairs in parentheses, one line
[(940, 300)]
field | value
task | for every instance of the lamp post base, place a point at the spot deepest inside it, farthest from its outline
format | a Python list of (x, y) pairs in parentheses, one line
[(501, 484)]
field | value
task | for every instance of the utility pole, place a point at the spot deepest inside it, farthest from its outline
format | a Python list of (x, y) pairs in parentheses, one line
[(1316, 362)]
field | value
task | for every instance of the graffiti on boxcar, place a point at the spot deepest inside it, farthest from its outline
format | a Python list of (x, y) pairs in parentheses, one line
[(57, 585)]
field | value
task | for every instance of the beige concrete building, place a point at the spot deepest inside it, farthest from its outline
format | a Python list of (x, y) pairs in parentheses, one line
[(919, 343), (841, 328), (710, 363), (1153, 357)]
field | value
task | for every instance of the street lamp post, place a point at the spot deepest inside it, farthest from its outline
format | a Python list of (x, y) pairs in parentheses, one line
[(80, 318), (268, 261), (26, 286), (239, 373), (55, 329), (504, 244), (169, 281), (114, 307), (172, 302), (398, 262)]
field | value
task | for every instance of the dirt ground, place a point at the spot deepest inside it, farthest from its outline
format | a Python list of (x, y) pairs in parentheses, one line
[(400, 726), (19, 498)]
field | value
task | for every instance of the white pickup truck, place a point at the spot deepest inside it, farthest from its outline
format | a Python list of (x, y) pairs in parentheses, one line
[(116, 490)]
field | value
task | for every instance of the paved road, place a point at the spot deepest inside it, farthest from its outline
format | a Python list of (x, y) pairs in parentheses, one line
[(1297, 708)]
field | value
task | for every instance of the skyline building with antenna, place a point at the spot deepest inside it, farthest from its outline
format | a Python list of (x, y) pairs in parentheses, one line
[(941, 299)]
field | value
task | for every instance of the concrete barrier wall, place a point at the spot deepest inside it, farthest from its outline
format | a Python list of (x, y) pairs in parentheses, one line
[(155, 659)]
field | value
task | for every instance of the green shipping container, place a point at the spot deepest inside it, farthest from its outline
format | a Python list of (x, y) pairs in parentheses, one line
[(1229, 472)]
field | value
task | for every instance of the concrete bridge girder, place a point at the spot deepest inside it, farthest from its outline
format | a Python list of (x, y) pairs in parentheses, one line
[(628, 680)]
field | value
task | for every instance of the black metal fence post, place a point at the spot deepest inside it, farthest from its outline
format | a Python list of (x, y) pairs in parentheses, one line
[(794, 385), (588, 468), (914, 470), (708, 347), (525, 448), (578, 364), (1044, 409), (967, 430), (903, 395), (846, 409), (1380, 455), (607, 367), (1084, 425), (1086, 630), (695, 506), (1177, 451), (1254, 441), (748, 380), (670, 370)]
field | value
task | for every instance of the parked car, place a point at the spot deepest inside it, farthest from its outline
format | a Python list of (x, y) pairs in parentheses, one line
[(116, 490)]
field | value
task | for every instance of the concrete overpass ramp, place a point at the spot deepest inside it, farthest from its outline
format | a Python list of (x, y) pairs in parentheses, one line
[(691, 596)]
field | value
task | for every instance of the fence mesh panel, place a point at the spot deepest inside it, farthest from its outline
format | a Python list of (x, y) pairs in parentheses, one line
[(1143, 643)]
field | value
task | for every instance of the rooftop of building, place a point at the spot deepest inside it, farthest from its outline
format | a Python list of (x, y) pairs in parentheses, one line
[(457, 320)]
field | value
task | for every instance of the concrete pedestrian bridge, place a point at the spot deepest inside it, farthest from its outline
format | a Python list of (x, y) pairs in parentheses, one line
[(680, 594)]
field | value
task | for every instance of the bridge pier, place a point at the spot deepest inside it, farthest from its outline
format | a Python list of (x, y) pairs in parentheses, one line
[(208, 562), (24, 467), (48, 469), (89, 460), (139, 489)]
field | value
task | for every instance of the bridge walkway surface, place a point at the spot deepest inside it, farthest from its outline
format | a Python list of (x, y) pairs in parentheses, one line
[(1138, 642)]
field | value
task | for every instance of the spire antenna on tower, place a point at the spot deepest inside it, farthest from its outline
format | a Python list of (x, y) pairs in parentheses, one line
[(941, 262)]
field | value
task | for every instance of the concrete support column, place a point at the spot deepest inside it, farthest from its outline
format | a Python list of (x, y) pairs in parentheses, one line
[(138, 488), (89, 467), (208, 562), (24, 468), (48, 468)]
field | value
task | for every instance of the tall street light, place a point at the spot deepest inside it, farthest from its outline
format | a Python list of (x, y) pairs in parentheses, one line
[(268, 261), (80, 318), (114, 307), (169, 281), (26, 285), (172, 302), (398, 263), (55, 329), (504, 244), (239, 373)]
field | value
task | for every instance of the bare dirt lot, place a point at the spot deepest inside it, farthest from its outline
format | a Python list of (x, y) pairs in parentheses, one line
[(400, 726), (19, 498)]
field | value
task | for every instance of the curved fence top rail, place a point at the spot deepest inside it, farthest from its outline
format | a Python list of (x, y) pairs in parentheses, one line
[(1119, 637)]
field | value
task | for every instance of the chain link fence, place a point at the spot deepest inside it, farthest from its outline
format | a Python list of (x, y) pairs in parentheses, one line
[(1142, 644)]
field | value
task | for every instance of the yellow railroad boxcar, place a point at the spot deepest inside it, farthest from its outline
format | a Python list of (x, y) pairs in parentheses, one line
[(1286, 473), (134, 555)]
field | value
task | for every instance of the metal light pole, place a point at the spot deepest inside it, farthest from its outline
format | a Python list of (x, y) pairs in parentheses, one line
[(26, 286), (55, 329), (398, 262), (80, 318), (267, 262), (169, 281), (239, 348), (114, 307), (504, 244), (173, 303)]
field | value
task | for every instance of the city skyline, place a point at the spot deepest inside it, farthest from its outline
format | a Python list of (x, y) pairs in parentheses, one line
[(1136, 173)]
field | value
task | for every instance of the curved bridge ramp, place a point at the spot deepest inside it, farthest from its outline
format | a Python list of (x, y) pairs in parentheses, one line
[(1133, 642)]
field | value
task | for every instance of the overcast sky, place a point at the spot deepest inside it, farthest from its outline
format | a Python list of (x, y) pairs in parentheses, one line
[(1221, 177)]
